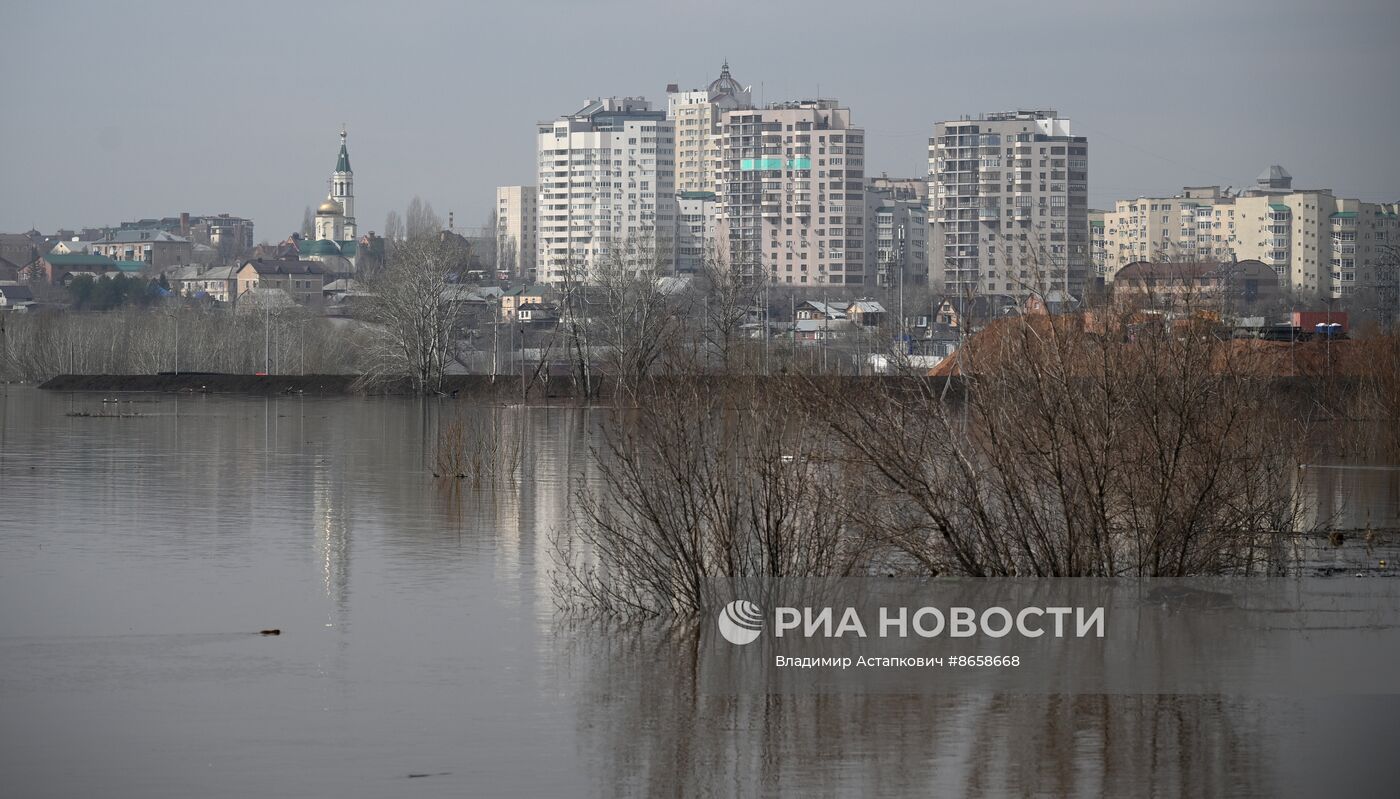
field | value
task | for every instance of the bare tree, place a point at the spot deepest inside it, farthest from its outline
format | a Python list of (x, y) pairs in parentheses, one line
[(635, 320), (393, 227), (703, 491), (507, 258), (420, 309), (732, 289), (308, 223), (420, 219), (488, 251), (1126, 450)]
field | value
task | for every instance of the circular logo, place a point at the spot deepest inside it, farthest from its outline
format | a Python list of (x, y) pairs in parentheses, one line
[(740, 622)]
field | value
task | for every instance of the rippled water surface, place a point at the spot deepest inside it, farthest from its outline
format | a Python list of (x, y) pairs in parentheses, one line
[(420, 653)]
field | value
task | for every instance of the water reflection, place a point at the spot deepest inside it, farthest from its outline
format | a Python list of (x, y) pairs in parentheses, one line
[(136, 554), (649, 729)]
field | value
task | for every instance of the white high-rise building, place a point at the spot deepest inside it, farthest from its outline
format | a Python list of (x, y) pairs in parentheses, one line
[(792, 192), (697, 116), (606, 181), (1008, 205), (515, 230)]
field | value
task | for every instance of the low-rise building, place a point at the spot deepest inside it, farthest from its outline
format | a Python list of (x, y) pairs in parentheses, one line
[(56, 270), (866, 313), (217, 283), (302, 281), (15, 296), (512, 300), (813, 309), (1231, 288), (155, 248)]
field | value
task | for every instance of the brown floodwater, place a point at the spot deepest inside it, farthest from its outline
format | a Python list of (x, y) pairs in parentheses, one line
[(143, 547)]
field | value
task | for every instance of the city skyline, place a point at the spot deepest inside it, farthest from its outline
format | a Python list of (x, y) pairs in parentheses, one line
[(430, 116)]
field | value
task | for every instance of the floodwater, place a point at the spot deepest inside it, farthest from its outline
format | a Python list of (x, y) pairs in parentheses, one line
[(420, 652)]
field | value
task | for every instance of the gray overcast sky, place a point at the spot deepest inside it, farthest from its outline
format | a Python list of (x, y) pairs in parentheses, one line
[(115, 111)]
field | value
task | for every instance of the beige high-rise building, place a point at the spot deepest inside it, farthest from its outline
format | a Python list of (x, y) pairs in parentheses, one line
[(1321, 246), (1182, 228), (515, 231), (697, 116), (792, 201), (1008, 205)]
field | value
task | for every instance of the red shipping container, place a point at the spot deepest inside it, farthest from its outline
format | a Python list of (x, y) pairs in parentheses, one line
[(1309, 320)]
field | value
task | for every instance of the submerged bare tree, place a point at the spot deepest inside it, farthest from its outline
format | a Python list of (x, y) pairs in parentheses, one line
[(701, 491), (420, 310), (1140, 451)]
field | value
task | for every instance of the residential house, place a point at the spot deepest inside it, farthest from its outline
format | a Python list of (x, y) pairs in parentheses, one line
[(155, 248), (71, 247), (535, 313), (15, 296), (302, 281), (1053, 301), (216, 283), (21, 249), (534, 294), (819, 310), (866, 313), (815, 330)]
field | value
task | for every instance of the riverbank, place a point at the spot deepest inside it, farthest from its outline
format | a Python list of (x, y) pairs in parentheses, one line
[(504, 387), (480, 386)]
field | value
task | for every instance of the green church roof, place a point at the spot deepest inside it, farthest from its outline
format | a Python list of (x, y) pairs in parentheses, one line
[(342, 164)]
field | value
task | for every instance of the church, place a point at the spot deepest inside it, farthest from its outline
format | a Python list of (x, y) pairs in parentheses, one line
[(336, 244)]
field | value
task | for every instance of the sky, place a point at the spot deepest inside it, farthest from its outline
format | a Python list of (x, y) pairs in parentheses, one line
[(117, 111)]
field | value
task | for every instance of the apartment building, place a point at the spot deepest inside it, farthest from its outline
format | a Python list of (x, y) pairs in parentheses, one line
[(515, 231), (1321, 246), (697, 116), (606, 184), (1179, 228), (223, 232), (1098, 250), (896, 237), (695, 229), (1008, 204), (900, 188), (792, 192)]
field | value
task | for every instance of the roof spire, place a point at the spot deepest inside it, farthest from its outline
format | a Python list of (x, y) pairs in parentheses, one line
[(342, 163)]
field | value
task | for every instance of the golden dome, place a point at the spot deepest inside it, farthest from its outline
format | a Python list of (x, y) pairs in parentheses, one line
[(330, 208)]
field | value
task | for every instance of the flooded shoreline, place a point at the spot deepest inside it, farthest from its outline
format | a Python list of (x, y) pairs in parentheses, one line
[(140, 557)]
